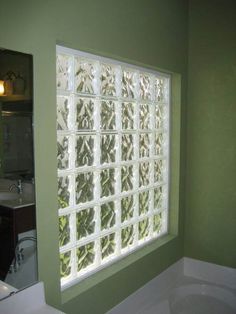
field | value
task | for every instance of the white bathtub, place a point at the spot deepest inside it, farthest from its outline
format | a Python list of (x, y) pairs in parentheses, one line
[(187, 287), (202, 298)]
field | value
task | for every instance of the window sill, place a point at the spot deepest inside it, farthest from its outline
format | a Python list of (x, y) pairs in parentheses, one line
[(87, 283)]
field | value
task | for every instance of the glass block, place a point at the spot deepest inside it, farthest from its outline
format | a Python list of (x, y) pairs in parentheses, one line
[(145, 86), (143, 202), (84, 113), (108, 216), (64, 230), (63, 192), (108, 80), (127, 117), (143, 228), (108, 148), (127, 177), (144, 116), (143, 174), (85, 223), (159, 143), (144, 145), (62, 152), (65, 264), (62, 113), (84, 150), (85, 256), (63, 71), (157, 222), (158, 197), (127, 147), (113, 118), (107, 180), (108, 245), (159, 167), (84, 187), (127, 236), (128, 84), (84, 76), (108, 118), (159, 117), (159, 89), (127, 208)]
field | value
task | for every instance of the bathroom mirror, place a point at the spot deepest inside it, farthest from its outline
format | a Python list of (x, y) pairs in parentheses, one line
[(18, 243)]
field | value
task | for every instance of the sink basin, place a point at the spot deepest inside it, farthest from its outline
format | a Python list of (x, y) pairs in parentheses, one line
[(6, 290), (7, 196)]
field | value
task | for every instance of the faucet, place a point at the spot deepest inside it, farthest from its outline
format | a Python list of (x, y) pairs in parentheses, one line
[(19, 256), (18, 186)]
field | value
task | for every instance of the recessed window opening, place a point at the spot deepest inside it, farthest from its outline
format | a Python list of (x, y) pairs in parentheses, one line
[(113, 160)]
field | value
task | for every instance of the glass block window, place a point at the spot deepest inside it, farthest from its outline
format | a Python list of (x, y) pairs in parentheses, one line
[(112, 157)]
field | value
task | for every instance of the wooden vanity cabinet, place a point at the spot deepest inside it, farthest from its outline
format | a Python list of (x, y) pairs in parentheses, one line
[(13, 222)]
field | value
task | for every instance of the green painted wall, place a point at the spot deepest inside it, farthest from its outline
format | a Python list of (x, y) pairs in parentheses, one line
[(210, 232), (152, 33)]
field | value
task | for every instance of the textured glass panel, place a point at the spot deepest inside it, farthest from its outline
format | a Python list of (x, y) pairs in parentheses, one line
[(127, 115), (84, 187), (157, 222), (108, 148), (127, 236), (64, 230), (143, 202), (159, 142), (127, 147), (108, 80), (62, 113), (127, 177), (159, 170), (85, 223), (62, 152), (84, 150), (108, 216), (159, 117), (143, 228), (144, 145), (158, 197), (127, 208), (159, 89), (108, 119), (107, 182), (128, 84), (63, 71), (145, 86), (84, 113), (144, 116), (65, 264), (84, 76), (85, 256), (63, 192), (112, 160), (108, 245), (143, 173)]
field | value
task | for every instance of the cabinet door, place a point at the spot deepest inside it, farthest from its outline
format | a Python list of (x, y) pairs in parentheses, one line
[(7, 241), (24, 219)]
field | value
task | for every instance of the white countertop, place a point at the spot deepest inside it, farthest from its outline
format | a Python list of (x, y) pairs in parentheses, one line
[(26, 198), (28, 301), (22, 201)]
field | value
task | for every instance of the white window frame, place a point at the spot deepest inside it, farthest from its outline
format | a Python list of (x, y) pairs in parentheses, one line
[(74, 208)]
